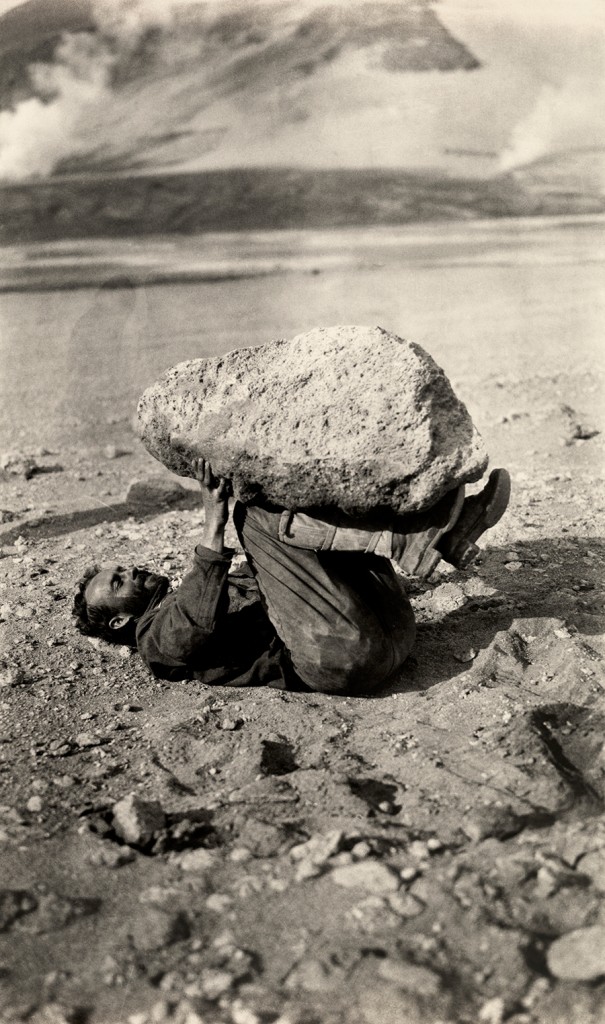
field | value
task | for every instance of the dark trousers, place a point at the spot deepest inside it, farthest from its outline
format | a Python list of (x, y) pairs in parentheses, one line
[(343, 617)]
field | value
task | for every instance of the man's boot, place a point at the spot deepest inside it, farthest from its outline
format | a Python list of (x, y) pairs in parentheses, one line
[(479, 513)]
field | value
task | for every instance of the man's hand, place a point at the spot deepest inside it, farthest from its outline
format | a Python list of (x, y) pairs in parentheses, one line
[(215, 496)]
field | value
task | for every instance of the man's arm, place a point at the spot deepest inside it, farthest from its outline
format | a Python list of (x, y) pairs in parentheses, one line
[(215, 494), (176, 634)]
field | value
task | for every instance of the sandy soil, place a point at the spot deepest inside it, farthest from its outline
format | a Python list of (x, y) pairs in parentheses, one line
[(433, 854)]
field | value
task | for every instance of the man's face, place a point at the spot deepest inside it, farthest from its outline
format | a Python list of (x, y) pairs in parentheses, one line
[(122, 591)]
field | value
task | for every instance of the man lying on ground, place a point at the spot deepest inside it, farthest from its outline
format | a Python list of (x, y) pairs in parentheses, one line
[(317, 606)]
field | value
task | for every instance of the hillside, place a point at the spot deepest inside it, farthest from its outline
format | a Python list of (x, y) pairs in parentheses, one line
[(111, 206)]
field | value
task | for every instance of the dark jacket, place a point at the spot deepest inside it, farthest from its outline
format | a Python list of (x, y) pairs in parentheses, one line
[(214, 628)]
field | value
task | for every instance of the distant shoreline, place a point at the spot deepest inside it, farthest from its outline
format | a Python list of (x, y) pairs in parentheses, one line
[(220, 257)]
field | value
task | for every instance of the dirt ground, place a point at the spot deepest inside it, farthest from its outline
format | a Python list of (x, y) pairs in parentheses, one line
[(432, 854)]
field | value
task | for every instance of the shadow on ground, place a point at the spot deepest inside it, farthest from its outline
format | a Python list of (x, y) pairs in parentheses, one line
[(85, 519), (542, 588)]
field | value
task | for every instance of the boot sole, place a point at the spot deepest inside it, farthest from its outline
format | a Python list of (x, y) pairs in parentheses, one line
[(496, 496)]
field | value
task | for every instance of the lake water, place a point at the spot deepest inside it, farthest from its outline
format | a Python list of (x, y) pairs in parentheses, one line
[(515, 299)]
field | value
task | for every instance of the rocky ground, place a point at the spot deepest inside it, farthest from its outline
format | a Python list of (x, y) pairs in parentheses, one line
[(174, 854)]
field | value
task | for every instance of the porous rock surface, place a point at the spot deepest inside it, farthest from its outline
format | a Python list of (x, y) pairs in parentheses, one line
[(349, 417)]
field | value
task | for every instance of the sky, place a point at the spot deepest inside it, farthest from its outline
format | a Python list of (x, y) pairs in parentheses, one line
[(590, 13)]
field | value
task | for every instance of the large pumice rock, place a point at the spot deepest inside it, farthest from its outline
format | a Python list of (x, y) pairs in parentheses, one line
[(344, 417)]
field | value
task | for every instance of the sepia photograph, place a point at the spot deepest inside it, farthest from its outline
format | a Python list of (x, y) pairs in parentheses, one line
[(302, 539)]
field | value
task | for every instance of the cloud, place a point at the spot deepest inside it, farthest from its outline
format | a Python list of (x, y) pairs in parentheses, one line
[(40, 132), (569, 116), (75, 89)]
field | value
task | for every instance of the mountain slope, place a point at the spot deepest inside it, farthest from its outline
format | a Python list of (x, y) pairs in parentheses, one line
[(211, 84)]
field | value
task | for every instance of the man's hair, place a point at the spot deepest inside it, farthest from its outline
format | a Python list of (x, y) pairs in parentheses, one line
[(93, 620)]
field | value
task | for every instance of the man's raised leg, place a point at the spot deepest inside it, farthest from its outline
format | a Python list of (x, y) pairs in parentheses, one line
[(344, 618)]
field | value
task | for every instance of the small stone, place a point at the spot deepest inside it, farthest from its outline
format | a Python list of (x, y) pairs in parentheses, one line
[(492, 1011), (578, 955), (87, 739), (111, 451), (55, 912), (434, 845), (34, 804), (158, 896), (230, 724), (110, 856), (10, 676), (593, 865), (239, 855), (261, 838), (241, 1014), (562, 633), (157, 928), (405, 904), (546, 884), (219, 903), (342, 858), (136, 820), (319, 848), (465, 655), (64, 781), (312, 976), (410, 977), (18, 464), (215, 983), (408, 873), (15, 903), (305, 870), (155, 492), (446, 598), (370, 875), (418, 850), (361, 850), (196, 860)]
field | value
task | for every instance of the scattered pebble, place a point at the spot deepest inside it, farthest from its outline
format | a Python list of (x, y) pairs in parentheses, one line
[(87, 739), (136, 820), (465, 655), (370, 875), (593, 865), (578, 955), (230, 724), (18, 464), (361, 850), (405, 904), (219, 902), (215, 983), (109, 855), (312, 976), (196, 860), (156, 928), (492, 1011), (410, 977)]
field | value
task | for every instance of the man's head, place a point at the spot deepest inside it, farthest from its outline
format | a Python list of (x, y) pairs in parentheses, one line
[(110, 600)]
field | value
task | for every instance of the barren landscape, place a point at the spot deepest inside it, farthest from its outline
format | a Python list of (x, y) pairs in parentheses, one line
[(176, 854)]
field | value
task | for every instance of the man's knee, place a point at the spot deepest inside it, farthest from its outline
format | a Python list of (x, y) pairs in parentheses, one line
[(355, 668)]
